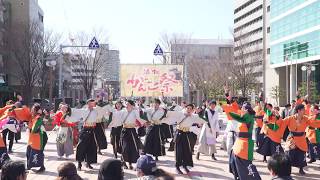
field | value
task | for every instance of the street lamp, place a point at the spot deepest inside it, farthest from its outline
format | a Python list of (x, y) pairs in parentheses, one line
[(51, 63), (308, 68)]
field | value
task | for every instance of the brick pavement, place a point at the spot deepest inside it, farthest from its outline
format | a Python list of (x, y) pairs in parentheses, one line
[(205, 168)]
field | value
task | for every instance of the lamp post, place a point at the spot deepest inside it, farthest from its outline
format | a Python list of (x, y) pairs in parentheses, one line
[(205, 89), (51, 63), (308, 68)]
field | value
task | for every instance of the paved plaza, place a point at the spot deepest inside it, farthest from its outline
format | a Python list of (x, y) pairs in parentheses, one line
[(204, 168)]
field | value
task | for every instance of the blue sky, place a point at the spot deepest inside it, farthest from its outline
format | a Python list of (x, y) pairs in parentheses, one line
[(134, 26)]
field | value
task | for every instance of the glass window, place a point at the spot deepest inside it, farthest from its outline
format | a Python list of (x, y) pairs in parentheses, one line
[(296, 22), (297, 48)]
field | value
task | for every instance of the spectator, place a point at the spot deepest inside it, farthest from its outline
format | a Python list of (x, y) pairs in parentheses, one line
[(68, 171), (111, 169), (14, 170), (147, 169), (280, 167)]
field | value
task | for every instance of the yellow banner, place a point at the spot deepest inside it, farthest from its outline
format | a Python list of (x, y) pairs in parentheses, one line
[(151, 80)]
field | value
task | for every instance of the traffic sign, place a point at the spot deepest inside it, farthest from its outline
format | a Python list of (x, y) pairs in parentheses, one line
[(158, 51), (94, 44)]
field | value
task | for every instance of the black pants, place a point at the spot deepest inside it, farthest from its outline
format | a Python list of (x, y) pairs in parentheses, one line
[(129, 145), (87, 148), (100, 136), (10, 138), (153, 143), (115, 139), (183, 149)]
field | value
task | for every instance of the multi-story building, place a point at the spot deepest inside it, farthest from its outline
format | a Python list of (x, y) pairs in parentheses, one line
[(186, 51), (294, 46), (105, 84), (248, 37), (15, 16), (109, 76)]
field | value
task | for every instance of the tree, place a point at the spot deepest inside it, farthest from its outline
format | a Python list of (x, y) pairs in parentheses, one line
[(26, 47), (89, 63), (277, 93), (204, 73), (51, 42), (168, 42), (207, 77), (314, 93)]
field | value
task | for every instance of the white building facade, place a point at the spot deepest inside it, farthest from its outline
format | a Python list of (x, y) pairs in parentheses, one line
[(249, 37)]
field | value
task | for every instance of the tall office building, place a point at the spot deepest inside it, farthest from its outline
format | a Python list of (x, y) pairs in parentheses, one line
[(110, 72), (294, 42), (248, 37)]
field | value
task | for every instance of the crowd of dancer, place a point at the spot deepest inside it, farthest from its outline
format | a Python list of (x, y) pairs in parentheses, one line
[(293, 131)]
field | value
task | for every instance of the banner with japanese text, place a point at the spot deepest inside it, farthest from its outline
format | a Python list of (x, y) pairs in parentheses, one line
[(151, 80)]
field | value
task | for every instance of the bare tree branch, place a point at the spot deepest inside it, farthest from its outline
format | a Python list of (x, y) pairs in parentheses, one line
[(26, 46), (89, 63)]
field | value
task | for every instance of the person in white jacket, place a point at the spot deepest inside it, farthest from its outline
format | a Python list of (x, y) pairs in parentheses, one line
[(209, 132)]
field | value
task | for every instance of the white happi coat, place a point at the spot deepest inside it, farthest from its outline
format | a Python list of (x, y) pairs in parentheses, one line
[(179, 118), (117, 118), (102, 112), (210, 133), (154, 115)]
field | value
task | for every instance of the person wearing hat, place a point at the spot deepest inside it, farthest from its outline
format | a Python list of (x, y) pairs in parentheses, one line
[(183, 146), (147, 169), (242, 151), (66, 171), (209, 132)]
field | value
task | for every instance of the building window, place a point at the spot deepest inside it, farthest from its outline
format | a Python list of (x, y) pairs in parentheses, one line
[(268, 9), (268, 51), (268, 30)]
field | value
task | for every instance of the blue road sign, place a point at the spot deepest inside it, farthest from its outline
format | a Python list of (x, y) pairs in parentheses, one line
[(158, 51), (94, 44)]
